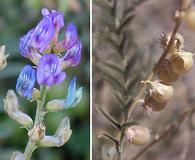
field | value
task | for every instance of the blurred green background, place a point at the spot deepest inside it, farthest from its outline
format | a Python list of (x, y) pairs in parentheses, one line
[(16, 18)]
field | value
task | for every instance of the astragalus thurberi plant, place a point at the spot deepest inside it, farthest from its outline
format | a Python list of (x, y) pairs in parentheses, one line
[(50, 58), (157, 89)]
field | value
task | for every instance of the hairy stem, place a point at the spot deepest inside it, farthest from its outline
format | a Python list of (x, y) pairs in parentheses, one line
[(32, 145)]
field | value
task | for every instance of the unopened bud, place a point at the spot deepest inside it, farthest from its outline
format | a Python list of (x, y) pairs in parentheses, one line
[(56, 105), (37, 132), (36, 94), (3, 57), (182, 62), (17, 156), (11, 106), (166, 73), (160, 92), (61, 136), (138, 135)]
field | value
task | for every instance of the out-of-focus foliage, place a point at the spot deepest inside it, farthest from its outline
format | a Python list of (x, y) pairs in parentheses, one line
[(16, 18)]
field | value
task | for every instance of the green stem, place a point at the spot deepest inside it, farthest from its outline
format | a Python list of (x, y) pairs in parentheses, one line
[(32, 145)]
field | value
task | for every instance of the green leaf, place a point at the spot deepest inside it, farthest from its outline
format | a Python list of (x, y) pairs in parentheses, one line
[(115, 83), (108, 117), (111, 65)]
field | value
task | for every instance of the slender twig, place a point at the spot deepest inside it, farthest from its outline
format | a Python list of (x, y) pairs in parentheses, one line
[(174, 125)]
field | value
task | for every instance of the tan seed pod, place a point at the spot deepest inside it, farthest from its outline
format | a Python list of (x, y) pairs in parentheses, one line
[(178, 42), (182, 62), (138, 135), (189, 18), (166, 73), (153, 104), (160, 92), (186, 3)]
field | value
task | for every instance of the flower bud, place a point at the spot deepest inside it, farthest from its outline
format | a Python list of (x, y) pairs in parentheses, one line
[(56, 105), (11, 106), (166, 73), (138, 135), (182, 62), (35, 94), (160, 92), (17, 156), (61, 136), (189, 18), (37, 132), (3, 57)]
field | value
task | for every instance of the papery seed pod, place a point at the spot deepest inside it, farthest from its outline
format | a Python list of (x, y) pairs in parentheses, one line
[(150, 102), (166, 73), (37, 132), (11, 106), (186, 3), (138, 135), (189, 18), (178, 42), (182, 62), (17, 156), (160, 92)]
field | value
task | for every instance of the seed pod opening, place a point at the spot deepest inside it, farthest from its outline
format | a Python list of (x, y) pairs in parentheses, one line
[(166, 73), (138, 135), (160, 92), (178, 43), (182, 62), (152, 103)]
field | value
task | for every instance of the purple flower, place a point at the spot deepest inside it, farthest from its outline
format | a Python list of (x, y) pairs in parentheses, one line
[(71, 36), (26, 81), (42, 35), (73, 56), (25, 45), (57, 18), (37, 39), (49, 71)]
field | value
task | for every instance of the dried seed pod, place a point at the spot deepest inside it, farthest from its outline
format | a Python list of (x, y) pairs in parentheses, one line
[(186, 3), (182, 62), (178, 42), (160, 92), (189, 18), (154, 105), (166, 73), (138, 135)]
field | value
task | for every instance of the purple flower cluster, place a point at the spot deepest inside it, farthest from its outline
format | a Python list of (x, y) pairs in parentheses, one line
[(41, 46)]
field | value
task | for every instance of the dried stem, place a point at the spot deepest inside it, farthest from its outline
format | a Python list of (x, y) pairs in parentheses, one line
[(151, 75), (174, 125)]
